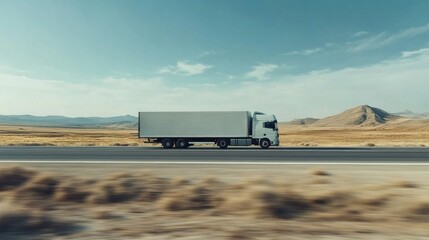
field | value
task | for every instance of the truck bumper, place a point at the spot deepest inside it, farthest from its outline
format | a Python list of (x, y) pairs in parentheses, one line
[(275, 143)]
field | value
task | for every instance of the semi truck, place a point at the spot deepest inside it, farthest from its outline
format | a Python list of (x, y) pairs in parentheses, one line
[(223, 128)]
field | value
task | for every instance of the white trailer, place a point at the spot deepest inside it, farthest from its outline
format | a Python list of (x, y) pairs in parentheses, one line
[(235, 128)]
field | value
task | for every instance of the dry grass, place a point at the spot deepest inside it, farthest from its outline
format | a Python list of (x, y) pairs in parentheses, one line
[(49, 136), (390, 135), (290, 135), (320, 172), (12, 177), (40, 187), (419, 211), (404, 184), (167, 205), (75, 190), (15, 220), (191, 198), (118, 188), (266, 201)]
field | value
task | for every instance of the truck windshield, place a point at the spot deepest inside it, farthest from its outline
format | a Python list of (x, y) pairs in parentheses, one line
[(271, 125)]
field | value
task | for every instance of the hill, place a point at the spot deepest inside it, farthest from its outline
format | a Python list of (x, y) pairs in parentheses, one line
[(360, 116), (413, 115), (302, 121), (126, 121)]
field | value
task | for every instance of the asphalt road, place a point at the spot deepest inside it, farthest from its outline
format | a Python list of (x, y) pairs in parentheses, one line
[(199, 154)]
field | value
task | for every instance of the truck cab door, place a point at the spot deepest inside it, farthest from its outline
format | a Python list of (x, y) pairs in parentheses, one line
[(267, 129)]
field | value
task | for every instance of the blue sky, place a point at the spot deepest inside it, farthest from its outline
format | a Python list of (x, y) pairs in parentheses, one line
[(292, 58)]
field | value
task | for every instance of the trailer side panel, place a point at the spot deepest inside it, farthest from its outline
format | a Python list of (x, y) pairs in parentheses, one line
[(194, 124)]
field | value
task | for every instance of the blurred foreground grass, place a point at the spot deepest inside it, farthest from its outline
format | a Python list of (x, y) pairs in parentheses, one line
[(37, 204)]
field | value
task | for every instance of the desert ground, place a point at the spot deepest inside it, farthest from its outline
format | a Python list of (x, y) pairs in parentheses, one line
[(116, 201), (51, 136), (414, 135), (382, 136), (173, 201)]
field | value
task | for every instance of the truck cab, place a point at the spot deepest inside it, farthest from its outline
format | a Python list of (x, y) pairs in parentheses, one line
[(265, 130)]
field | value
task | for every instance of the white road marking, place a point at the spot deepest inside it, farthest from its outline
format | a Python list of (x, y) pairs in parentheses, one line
[(218, 163)]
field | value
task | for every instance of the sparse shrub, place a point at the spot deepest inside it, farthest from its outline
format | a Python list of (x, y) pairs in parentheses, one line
[(180, 181), (117, 189), (349, 214), (153, 187), (335, 199), (405, 184), (121, 144), (377, 201), (190, 198), (370, 144), (13, 177), (210, 181), (125, 187), (280, 205), (319, 172), (24, 221), (266, 201), (104, 214), (239, 235), (419, 211), (40, 187), (73, 191)]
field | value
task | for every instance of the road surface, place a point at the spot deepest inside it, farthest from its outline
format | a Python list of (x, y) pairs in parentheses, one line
[(215, 155)]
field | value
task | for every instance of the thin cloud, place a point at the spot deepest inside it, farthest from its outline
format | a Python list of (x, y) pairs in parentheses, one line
[(207, 53), (419, 52), (360, 33), (186, 69), (305, 52), (383, 39), (317, 94), (261, 71)]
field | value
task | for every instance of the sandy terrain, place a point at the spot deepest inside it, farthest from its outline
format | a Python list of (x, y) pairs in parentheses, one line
[(48, 136), (359, 126), (411, 134), (389, 135), (211, 202)]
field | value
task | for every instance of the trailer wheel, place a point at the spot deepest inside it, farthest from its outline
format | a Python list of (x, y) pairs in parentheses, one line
[(223, 143), (182, 143), (167, 143), (265, 143)]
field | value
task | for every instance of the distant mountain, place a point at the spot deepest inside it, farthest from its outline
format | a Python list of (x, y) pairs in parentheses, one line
[(302, 121), (410, 114), (126, 121), (360, 116)]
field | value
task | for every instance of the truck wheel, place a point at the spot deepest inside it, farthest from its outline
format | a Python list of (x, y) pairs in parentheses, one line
[(167, 143), (223, 143), (182, 143), (265, 143)]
